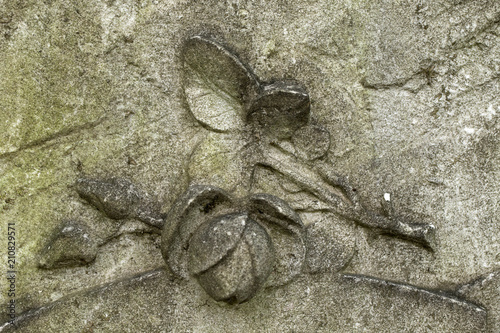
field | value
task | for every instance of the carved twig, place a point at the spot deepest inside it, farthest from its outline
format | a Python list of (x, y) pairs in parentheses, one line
[(342, 199)]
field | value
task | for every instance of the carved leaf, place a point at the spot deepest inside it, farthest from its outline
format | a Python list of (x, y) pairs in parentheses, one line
[(287, 232), (120, 199), (217, 84), (115, 197), (72, 245)]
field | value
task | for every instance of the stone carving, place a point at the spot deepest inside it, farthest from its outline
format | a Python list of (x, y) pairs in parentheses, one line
[(119, 199), (234, 241), (251, 125), (72, 245), (256, 124), (75, 242), (232, 245)]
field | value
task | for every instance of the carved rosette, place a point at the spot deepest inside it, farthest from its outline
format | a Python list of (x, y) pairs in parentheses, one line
[(233, 247)]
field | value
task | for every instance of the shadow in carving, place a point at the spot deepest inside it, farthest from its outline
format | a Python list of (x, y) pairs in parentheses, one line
[(232, 241)]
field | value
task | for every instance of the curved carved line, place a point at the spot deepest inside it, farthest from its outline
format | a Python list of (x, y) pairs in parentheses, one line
[(409, 289)]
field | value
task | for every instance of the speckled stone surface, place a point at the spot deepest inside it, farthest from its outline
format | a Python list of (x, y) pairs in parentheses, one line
[(381, 134)]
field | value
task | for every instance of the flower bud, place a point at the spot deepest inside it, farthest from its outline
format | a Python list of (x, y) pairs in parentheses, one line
[(231, 257)]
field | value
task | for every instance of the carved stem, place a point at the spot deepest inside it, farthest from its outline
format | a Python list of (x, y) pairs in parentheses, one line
[(338, 194)]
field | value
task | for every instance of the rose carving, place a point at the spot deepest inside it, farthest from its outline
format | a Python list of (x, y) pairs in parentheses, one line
[(233, 247)]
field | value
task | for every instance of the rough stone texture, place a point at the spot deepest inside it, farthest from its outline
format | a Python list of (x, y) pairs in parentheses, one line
[(351, 300), (232, 245), (407, 90), (72, 245)]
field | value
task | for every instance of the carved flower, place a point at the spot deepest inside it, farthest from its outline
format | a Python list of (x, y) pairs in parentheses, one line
[(242, 114), (254, 124), (233, 247)]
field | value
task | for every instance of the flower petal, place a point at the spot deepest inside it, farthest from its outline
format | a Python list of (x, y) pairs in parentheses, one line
[(214, 240), (287, 233), (196, 206)]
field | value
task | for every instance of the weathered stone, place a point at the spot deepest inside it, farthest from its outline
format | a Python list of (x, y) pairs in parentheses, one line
[(119, 199), (231, 246), (311, 142), (400, 212), (232, 272), (217, 85), (280, 109), (73, 244), (401, 308)]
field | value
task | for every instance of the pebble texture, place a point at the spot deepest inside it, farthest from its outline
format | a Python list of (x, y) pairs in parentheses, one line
[(392, 165)]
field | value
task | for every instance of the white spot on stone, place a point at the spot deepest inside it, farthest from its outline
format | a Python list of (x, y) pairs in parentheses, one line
[(55, 296), (387, 196), (490, 113), (469, 130), (68, 229)]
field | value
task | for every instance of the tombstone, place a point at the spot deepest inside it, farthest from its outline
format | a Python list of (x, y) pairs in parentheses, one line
[(247, 166)]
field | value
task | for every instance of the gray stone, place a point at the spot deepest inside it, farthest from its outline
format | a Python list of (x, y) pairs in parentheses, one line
[(238, 272), (217, 85), (351, 299), (280, 109), (73, 244), (231, 246), (119, 199), (485, 291), (311, 142), (367, 129)]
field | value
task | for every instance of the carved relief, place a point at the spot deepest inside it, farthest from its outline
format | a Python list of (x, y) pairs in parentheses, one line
[(233, 241), (270, 125), (233, 246)]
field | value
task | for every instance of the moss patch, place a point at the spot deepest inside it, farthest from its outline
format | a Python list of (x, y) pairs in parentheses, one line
[(51, 83)]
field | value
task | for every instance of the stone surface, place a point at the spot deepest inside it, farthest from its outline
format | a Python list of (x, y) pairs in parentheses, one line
[(402, 308), (232, 245), (401, 209), (72, 245)]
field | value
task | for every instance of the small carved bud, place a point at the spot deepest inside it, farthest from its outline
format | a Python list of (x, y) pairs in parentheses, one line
[(120, 199), (115, 197), (231, 257), (281, 108), (311, 142), (73, 244)]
